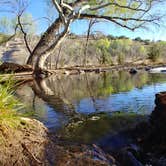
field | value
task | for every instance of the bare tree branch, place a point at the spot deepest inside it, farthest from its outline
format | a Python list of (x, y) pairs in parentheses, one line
[(60, 11), (115, 20), (42, 58), (118, 5), (24, 34)]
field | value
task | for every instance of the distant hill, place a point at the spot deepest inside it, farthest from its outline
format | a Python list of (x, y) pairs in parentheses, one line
[(101, 50)]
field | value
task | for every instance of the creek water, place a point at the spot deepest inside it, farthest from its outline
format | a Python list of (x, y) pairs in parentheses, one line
[(111, 110), (57, 99)]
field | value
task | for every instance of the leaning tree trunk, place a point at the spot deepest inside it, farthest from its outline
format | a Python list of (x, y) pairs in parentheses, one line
[(48, 43), (50, 40), (45, 42)]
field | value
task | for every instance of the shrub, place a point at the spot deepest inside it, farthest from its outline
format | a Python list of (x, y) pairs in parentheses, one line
[(8, 104), (154, 52), (121, 59), (103, 46)]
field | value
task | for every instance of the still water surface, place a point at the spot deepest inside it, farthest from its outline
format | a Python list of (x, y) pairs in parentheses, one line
[(54, 100)]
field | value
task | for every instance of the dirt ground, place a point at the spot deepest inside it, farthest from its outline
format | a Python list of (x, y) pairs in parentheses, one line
[(30, 144), (24, 145)]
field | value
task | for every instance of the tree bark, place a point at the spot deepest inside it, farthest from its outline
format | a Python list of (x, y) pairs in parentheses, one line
[(44, 55), (46, 41)]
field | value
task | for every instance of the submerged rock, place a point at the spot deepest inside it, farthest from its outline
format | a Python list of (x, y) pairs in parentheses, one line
[(147, 68), (133, 71)]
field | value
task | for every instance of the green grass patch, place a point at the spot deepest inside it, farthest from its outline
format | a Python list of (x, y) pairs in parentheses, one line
[(9, 105)]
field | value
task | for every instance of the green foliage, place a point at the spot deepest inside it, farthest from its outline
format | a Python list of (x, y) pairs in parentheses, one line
[(154, 52), (138, 39), (5, 25), (119, 48), (103, 46), (28, 23), (121, 58), (8, 104)]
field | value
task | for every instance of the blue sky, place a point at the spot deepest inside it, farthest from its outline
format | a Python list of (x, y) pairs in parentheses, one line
[(152, 33), (38, 9)]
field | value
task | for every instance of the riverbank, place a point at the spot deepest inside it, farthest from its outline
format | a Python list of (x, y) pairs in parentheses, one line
[(23, 144), (28, 141), (57, 151), (30, 144), (105, 68), (25, 72)]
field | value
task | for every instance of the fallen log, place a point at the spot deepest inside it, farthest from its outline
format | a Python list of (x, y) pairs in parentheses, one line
[(6, 68)]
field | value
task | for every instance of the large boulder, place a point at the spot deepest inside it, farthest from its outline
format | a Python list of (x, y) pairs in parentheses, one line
[(160, 101), (158, 116)]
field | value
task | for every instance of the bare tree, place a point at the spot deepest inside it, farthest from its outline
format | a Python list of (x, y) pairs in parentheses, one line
[(91, 23), (17, 8)]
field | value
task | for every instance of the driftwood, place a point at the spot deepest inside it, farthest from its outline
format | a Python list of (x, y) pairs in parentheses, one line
[(7, 67)]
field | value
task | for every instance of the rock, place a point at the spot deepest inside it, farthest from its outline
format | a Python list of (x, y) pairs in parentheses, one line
[(154, 142), (81, 71), (66, 72), (95, 118), (98, 70), (133, 71), (158, 70), (147, 68), (158, 116), (160, 100), (127, 158), (162, 161)]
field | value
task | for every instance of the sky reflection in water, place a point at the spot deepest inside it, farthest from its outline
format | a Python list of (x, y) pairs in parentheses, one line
[(90, 93)]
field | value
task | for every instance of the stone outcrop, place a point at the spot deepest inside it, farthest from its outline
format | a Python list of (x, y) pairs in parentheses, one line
[(158, 116), (14, 51), (160, 101), (152, 135)]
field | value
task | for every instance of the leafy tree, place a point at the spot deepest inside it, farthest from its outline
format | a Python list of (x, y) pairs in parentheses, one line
[(131, 14), (103, 46), (5, 25), (154, 52), (121, 58), (28, 24), (138, 39)]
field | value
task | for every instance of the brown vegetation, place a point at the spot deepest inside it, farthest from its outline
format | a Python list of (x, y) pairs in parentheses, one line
[(23, 144)]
